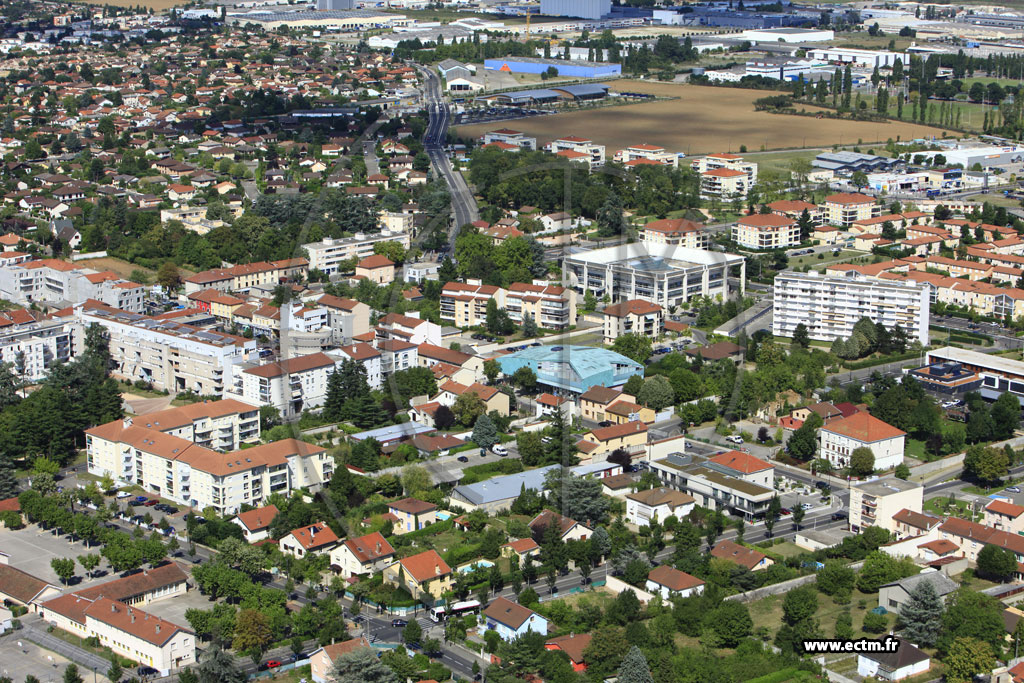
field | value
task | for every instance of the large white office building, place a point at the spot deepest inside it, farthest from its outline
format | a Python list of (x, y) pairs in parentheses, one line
[(830, 306), (329, 252), (660, 273)]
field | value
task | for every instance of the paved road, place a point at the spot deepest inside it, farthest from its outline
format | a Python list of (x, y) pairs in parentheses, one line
[(34, 629), (252, 193), (370, 157), (463, 203)]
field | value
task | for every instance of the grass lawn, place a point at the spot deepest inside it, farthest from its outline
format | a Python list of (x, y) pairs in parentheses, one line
[(767, 612), (813, 261), (915, 449), (780, 161), (866, 40), (787, 549), (940, 506)]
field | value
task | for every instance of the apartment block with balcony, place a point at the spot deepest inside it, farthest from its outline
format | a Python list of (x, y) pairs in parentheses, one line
[(551, 306), (247, 275), (647, 153), (766, 231), (725, 176), (635, 316), (166, 354), (572, 143), (875, 503), (712, 485), (829, 306), (844, 208), (465, 304), (290, 385), (396, 355), (55, 282), (678, 232), (32, 346)]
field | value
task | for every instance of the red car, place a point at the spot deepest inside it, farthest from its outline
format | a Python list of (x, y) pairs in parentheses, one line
[(273, 663), (150, 503), (785, 511)]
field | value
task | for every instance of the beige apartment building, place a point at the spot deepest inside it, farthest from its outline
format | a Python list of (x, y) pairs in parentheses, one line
[(677, 232), (725, 176), (465, 305), (237, 278), (645, 152), (177, 469), (875, 503), (593, 152), (635, 316), (845, 208)]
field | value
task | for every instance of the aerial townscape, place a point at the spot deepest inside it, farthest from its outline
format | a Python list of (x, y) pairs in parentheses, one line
[(568, 341)]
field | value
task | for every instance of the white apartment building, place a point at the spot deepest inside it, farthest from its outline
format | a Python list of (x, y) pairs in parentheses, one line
[(725, 176), (830, 306), (408, 328), (632, 317), (218, 425), (365, 355), (60, 283), (347, 318), (167, 354), (573, 143), (838, 439), (291, 385), (846, 208), (766, 231), (509, 137), (875, 503), (31, 346), (646, 152), (189, 474), (326, 254), (396, 355)]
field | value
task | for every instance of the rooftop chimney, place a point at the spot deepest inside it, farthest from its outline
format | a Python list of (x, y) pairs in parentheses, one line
[(113, 607), (158, 628), (378, 546), (127, 421), (437, 569), (133, 616)]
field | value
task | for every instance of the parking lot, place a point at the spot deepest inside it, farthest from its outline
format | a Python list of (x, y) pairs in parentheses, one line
[(32, 548), (496, 114), (18, 661), (173, 610)]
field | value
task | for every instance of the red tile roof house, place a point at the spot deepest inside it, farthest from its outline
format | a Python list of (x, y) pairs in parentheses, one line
[(10, 505), (669, 581), (573, 645), (741, 555), (256, 523), (322, 660), (412, 514), (362, 556), (840, 438), (312, 539)]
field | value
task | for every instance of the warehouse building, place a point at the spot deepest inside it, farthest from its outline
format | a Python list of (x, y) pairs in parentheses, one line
[(584, 9), (329, 19), (572, 370), (577, 68), (664, 274)]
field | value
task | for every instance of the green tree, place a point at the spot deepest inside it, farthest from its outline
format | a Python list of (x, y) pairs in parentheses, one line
[(862, 462), (997, 563), (168, 276), (89, 562), (987, 464), (880, 569), (611, 219), (634, 346), (361, 666), (656, 393), (967, 658), (835, 578), (217, 666), (64, 568), (252, 631), (416, 478), (1005, 415), (922, 615), (115, 672), (491, 370), (801, 337), (731, 622), (970, 614), (485, 434), (412, 632), (799, 605), (604, 655), (902, 471), (468, 407), (526, 379), (634, 668), (804, 442)]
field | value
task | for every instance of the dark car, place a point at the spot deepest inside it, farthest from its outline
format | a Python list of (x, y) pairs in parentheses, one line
[(821, 485), (838, 515), (399, 623), (170, 510), (604, 423), (147, 671), (462, 458)]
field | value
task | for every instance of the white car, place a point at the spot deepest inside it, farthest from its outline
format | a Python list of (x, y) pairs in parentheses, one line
[(950, 404), (123, 494), (498, 449), (734, 439)]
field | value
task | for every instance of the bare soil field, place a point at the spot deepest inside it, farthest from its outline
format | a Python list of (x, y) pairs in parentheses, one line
[(122, 268), (157, 5), (702, 120)]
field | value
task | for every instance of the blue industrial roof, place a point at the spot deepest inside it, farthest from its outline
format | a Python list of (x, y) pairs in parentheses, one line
[(585, 360), (500, 488), (583, 90), (398, 431), (539, 94)]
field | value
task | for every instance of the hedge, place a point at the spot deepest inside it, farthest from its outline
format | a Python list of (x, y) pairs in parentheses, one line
[(880, 360)]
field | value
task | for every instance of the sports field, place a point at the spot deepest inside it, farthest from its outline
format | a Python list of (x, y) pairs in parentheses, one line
[(703, 119)]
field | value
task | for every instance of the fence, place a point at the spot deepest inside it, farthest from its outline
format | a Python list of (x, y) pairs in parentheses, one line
[(784, 587), (617, 585), (89, 255)]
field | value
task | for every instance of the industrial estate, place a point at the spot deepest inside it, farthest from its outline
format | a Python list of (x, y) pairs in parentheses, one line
[(466, 340)]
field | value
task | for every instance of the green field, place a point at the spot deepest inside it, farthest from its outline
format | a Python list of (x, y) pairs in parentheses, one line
[(813, 261), (866, 40)]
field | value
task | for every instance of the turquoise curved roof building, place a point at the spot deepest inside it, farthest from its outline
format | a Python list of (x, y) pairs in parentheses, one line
[(572, 369)]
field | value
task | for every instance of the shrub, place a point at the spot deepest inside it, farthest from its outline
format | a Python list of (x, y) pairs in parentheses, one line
[(875, 623)]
